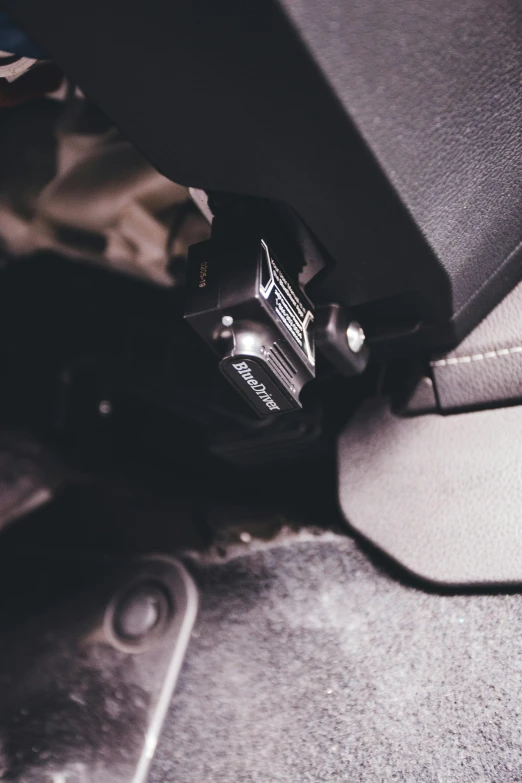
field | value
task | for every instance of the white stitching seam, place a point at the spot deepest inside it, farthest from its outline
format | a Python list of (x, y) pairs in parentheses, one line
[(477, 357)]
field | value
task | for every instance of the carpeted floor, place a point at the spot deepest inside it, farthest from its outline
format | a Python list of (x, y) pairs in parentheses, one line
[(309, 664)]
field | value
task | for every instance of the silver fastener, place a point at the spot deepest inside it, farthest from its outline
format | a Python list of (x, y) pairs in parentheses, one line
[(227, 320), (355, 336)]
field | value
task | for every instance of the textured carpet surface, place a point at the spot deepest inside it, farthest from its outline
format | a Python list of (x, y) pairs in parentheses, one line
[(308, 663)]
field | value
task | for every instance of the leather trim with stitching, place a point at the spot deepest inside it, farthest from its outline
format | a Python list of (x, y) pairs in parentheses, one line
[(477, 357)]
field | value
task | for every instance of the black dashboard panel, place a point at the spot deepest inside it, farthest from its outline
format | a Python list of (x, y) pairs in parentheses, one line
[(392, 129)]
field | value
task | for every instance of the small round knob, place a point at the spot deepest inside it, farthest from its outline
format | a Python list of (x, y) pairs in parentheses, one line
[(355, 336), (139, 611)]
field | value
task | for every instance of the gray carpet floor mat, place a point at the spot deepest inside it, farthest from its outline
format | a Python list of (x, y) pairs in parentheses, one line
[(309, 663)]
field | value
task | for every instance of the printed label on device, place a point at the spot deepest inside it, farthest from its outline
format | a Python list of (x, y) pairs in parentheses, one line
[(256, 385), (288, 303)]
